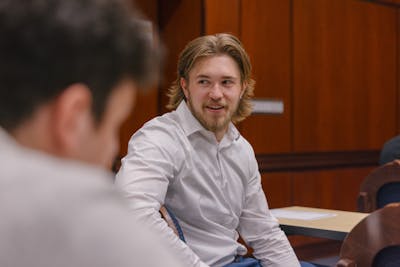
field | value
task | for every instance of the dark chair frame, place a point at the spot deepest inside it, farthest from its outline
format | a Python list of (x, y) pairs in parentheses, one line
[(172, 222), (377, 231), (367, 198)]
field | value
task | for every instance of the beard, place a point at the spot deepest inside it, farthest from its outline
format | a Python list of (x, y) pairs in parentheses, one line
[(213, 124)]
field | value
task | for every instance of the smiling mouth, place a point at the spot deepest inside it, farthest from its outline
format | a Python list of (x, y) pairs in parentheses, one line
[(215, 107)]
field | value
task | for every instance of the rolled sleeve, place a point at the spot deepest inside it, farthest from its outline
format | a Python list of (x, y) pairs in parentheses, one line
[(261, 231)]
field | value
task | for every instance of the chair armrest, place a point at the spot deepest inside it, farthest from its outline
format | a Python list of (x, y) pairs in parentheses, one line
[(345, 263), (172, 222), (364, 203), (165, 215)]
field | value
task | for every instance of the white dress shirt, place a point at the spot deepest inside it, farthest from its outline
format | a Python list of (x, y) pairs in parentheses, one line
[(214, 189), (60, 213)]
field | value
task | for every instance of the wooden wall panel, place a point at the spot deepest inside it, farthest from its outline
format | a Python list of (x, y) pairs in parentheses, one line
[(265, 32), (149, 8), (146, 106), (344, 75), (389, 2), (398, 72), (331, 189), (180, 22), (277, 188), (222, 16)]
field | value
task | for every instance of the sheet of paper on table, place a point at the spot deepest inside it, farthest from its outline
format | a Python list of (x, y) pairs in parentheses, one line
[(300, 215)]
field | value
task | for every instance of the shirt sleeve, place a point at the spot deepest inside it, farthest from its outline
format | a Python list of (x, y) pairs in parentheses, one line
[(144, 177), (260, 229)]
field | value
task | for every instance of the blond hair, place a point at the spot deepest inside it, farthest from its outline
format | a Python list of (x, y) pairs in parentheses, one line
[(212, 45)]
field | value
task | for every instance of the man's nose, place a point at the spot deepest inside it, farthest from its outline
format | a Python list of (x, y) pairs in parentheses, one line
[(216, 91)]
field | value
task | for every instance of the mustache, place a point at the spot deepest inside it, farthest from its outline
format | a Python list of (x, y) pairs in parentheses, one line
[(214, 104)]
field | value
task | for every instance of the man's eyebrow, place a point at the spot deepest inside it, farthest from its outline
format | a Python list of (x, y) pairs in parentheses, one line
[(227, 77), (202, 76)]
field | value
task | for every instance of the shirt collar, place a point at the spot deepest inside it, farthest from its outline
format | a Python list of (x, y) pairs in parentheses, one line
[(191, 125), (6, 139), (188, 122)]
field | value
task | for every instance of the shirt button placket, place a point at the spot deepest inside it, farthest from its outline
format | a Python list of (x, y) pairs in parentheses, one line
[(221, 180)]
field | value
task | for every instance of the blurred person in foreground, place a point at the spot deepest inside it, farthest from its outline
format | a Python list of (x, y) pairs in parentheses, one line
[(69, 70), (195, 162)]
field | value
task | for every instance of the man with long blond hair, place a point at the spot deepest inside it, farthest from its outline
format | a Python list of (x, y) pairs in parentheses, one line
[(194, 161)]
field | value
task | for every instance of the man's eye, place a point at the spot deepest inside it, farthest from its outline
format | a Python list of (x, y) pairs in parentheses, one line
[(227, 82), (203, 82)]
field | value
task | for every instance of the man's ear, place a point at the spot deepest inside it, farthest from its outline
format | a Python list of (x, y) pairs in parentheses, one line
[(71, 118), (244, 87), (183, 85)]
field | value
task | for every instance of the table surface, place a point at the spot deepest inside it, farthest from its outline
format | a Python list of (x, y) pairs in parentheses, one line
[(335, 226)]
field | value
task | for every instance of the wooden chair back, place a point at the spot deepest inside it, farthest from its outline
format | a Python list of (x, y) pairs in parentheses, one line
[(380, 187), (374, 240)]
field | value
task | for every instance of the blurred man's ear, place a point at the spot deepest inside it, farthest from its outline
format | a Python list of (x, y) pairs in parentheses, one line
[(72, 119), (244, 87), (183, 85)]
